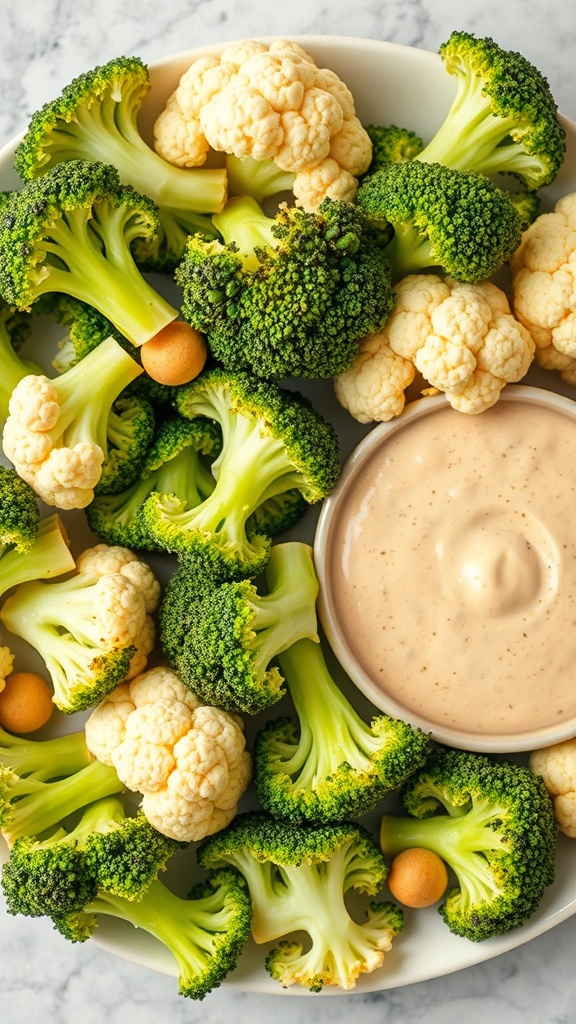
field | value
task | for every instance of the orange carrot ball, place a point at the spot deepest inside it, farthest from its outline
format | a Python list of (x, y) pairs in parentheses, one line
[(25, 702), (175, 355), (417, 878)]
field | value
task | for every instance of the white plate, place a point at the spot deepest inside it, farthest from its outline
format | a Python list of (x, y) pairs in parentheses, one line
[(409, 87)]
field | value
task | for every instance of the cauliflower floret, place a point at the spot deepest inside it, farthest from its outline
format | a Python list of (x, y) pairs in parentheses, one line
[(544, 285), (556, 764), (103, 559), (462, 338), (373, 387), (188, 760), (326, 180), (268, 103), (6, 665)]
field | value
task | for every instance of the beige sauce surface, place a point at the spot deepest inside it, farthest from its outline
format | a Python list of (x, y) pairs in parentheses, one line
[(453, 561)]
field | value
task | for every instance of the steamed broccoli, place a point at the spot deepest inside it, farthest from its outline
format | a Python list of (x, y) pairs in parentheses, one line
[(105, 849), (334, 765), (302, 303), (96, 118), (14, 329), (223, 638), (177, 464), (92, 629), (299, 878), (392, 144), (442, 217), (496, 831), (205, 933), (260, 179), (44, 760), (273, 441), (47, 557), (503, 119), (74, 231)]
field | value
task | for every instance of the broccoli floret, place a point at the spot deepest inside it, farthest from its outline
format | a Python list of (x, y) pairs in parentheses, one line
[(527, 206), (30, 806), (298, 878), (86, 628), (85, 328), (73, 231), (48, 556), (177, 463), (260, 179), (14, 330), (129, 434), (334, 765), (223, 639), (300, 311), (105, 849), (273, 441), (44, 760), (392, 144), (19, 514), (96, 118), (205, 933), (496, 832), (503, 119), (442, 217)]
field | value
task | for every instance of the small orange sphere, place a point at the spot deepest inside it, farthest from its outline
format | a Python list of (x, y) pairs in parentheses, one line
[(417, 878), (176, 355), (25, 702)]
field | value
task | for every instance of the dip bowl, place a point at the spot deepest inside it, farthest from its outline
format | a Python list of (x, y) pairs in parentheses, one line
[(461, 625)]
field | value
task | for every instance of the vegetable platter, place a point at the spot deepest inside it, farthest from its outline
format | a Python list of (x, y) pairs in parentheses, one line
[(391, 84)]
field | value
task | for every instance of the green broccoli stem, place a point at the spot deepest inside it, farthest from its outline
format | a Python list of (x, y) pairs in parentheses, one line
[(408, 251), (243, 222), (331, 731), (13, 370), (87, 391), (260, 179), (48, 557), (185, 476), (105, 275), (471, 135), (289, 608), (44, 759), (38, 806), (460, 841)]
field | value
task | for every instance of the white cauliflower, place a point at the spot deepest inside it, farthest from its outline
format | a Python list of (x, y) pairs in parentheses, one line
[(556, 764), (6, 665), (544, 286), (462, 338), (269, 103), (56, 431), (188, 760)]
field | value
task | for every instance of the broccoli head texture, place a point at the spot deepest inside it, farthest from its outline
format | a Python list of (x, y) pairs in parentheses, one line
[(503, 119), (96, 118), (273, 441), (314, 284), (298, 877), (441, 217), (496, 831), (205, 933), (74, 231), (391, 143), (332, 764), (223, 638)]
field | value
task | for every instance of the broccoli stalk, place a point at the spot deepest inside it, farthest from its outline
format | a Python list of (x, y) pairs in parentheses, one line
[(260, 179), (223, 639), (73, 231), (204, 933), (174, 465), (300, 305), (298, 878), (49, 556), (335, 765), (496, 831), (105, 849), (30, 806), (273, 441), (503, 118), (441, 217), (96, 118), (44, 760)]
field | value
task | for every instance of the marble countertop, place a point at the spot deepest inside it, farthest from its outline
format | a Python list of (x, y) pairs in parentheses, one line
[(44, 43)]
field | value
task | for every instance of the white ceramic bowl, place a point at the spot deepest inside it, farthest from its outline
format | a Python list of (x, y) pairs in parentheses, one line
[(338, 547), (391, 84)]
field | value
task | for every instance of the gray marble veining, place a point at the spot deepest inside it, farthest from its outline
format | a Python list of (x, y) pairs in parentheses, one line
[(43, 44)]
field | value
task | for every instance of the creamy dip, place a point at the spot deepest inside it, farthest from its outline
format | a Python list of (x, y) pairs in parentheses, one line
[(453, 571)]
